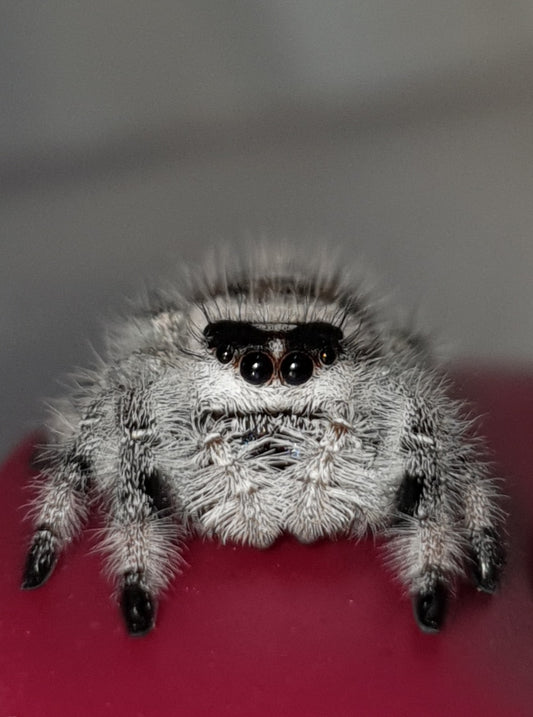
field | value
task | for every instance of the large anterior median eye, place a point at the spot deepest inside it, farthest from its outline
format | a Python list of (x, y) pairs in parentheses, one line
[(256, 367), (296, 368)]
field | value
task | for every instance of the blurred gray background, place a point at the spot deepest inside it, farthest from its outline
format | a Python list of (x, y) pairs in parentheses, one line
[(134, 135)]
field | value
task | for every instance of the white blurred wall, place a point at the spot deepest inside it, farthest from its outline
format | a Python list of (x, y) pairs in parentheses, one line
[(75, 73), (134, 135)]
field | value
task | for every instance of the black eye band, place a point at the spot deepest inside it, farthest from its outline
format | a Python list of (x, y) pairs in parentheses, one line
[(238, 334), (312, 336)]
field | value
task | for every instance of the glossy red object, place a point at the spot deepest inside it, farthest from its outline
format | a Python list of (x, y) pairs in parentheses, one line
[(310, 630)]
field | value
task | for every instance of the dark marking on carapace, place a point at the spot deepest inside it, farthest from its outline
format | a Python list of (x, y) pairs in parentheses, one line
[(311, 336), (238, 334)]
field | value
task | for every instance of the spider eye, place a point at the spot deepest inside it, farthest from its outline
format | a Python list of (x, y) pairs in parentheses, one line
[(296, 368), (327, 355), (225, 353), (256, 367)]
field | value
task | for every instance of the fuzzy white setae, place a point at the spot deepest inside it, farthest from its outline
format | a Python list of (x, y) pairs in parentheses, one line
[(267, 399)]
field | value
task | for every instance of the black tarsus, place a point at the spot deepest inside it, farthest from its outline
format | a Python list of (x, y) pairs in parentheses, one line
[(40, 561), (488, 560), (137, 605), (429, 607)]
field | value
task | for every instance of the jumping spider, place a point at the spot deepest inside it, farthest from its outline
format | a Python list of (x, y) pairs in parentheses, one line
[(260, 401)]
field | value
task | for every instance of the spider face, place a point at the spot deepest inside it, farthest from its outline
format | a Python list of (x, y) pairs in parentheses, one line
[(288, 354), (265, 390)]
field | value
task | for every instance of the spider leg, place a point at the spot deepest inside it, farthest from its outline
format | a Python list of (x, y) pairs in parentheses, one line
[(60, 509), (483, 520), (141, 534), (428, 544), (427, 552)]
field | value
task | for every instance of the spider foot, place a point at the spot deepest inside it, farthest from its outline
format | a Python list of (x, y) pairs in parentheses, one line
[(137, 604), (488, 560), (429, 607), (40, 561)]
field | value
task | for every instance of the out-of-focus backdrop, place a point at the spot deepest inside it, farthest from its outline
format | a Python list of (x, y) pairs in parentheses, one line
[(135, 135)]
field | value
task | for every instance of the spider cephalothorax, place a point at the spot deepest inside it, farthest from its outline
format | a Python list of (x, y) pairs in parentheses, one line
[(264, 402)]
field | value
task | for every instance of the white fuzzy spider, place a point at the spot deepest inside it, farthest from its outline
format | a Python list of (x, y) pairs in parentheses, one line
[(264, 400)]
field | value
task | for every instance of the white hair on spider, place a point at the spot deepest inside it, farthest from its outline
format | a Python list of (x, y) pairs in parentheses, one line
[(259, 397)]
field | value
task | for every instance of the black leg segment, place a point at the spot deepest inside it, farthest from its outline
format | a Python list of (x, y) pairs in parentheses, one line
[(429, 607), (488, 560), (153, 486), (138, 606), (409, 495), (41, 559)]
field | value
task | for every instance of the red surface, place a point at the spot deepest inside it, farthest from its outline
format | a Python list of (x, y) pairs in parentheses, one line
[(293, 630)]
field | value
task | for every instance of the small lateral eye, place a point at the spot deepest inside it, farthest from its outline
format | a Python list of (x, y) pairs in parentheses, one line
[(327, 355), (225, 353)]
